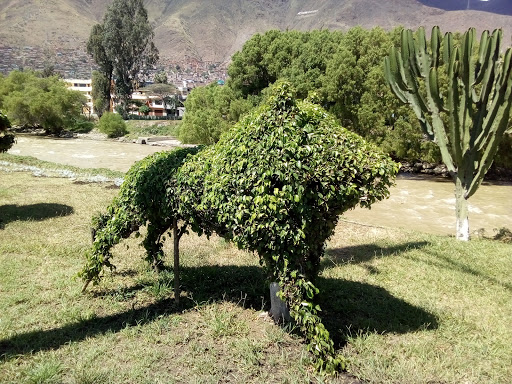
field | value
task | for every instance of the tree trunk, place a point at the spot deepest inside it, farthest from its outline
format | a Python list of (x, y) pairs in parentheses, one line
[(461, 210), (176, 261)]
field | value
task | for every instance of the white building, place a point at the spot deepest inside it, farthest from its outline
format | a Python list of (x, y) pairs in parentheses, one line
[(84, 86)]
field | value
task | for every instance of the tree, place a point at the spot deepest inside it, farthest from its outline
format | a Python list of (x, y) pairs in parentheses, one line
[(164, 91), (102, 79), (128, 44), (462, 97), (161, 78), (210, 111), (6, 139), (144, 109), (30, 100), (101, 86)]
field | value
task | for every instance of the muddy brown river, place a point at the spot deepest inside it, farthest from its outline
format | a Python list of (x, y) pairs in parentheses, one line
[(420, 203)]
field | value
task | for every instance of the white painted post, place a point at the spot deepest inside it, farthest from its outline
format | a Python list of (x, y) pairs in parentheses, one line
[(278, 309)]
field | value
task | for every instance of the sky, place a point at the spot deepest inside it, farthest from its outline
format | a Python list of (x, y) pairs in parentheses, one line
[(496, 6)]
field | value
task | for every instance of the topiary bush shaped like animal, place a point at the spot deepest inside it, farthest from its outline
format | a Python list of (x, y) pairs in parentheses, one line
[(144, 199), (276, 184)]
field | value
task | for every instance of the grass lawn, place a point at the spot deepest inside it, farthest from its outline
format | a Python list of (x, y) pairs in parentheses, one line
[(404, 307), (138, 128)]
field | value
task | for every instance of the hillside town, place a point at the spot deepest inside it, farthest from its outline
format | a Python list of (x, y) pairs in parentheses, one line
[(77, 64)]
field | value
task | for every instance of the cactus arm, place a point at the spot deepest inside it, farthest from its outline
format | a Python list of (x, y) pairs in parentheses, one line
[(483, 56), (434, 89), (467, 75), (487, 114), (390, 72), (405, 86), (421, 56), (489, 152), (408, 55), (435, 44), (411, 71), (497, 109), (496, 124), (452, 103), (488, 56), (484, 65)]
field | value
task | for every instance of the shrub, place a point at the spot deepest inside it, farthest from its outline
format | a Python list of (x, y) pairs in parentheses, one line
[(81, 125), (6, 139), (275, 184), (112, 124)]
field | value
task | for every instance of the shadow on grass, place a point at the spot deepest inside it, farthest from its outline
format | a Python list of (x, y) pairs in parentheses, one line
[(351, 307), (449, 264), (35, 212), (345, 304), (358, 254)]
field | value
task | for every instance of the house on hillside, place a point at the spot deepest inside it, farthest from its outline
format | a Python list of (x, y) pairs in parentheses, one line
[(156, 104)]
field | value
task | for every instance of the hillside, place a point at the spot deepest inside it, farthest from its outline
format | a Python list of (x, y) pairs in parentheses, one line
[(213, 30)]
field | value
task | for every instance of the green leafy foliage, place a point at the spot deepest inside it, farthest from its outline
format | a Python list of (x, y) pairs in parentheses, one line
[(6, 139), (144, 199), (160, 77), (112, 124), (81, 125), (122, 45), (346, 71), (276, 184), (101, 88), (211, 110), (144, 109), (34, 101)]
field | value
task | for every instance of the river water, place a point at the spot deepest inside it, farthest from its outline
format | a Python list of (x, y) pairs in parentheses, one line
[(84, 153), (422, 203)]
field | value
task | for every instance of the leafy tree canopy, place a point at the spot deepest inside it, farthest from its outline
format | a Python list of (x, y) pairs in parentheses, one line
[(100, 92), (34, 101), (345, 69), (122, 45), (161, 78), (112, 124), (211, 110)]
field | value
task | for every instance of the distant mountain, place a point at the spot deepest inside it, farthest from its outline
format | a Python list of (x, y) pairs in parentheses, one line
[(213, 30)]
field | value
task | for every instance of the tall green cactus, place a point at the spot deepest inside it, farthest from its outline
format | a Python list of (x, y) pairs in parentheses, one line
[(462, 96)]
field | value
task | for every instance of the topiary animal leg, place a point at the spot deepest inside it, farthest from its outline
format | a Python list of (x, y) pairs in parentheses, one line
[(153, 244)]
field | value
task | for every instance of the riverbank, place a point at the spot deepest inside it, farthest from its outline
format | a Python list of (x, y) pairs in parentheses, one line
[(164, 135), (418, 201), (440, 170)]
